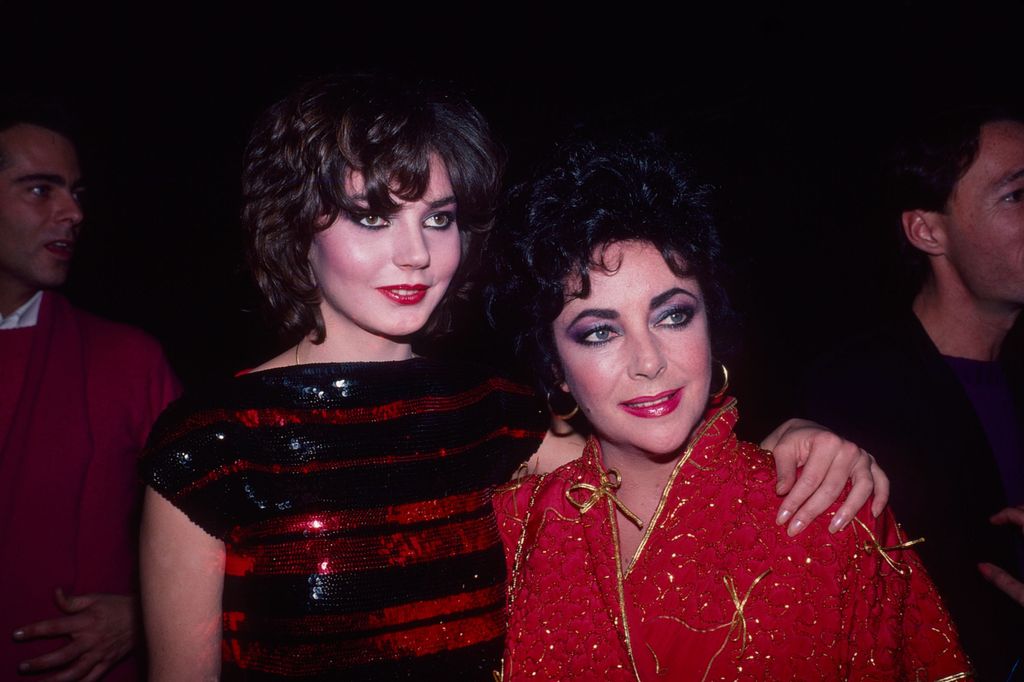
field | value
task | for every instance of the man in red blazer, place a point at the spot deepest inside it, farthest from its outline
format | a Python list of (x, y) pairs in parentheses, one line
[(78, 395)]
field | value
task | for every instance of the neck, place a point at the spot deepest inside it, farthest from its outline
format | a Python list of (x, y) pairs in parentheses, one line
[(643, 477), (336, 348), (13, 297), (959, 324)]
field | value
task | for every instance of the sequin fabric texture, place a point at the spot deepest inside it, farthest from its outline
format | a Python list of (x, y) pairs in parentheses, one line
[(716, 590), (354, 501)]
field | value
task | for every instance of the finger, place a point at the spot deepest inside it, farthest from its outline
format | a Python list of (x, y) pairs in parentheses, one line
[(1009, 515), (881, 489), (811, 476), (95, 674), (80, 672), (823, 496), (860, 491), (1004, 581), (73, 604), (785, 471), (54, 627), (54, 659)]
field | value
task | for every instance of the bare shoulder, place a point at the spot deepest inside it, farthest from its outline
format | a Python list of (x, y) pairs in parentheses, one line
[(556, 450), (285, 359)]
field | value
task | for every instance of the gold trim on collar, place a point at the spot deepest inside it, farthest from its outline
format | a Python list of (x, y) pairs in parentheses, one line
[(610, 482), (728, 406)]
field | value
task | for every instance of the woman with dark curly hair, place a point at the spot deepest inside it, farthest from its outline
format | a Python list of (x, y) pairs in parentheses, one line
[(328, 514), (654, 553)]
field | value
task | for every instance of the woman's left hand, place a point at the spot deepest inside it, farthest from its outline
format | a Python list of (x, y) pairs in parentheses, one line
[(828, 461)]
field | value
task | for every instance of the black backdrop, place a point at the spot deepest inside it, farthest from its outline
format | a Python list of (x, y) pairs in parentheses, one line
[(785, 107)]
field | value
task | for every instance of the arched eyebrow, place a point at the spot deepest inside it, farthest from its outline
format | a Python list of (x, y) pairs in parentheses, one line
[(600, 313), (666, 296), (436, 203), (443, 201)]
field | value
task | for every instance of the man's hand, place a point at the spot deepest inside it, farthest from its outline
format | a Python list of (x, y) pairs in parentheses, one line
[(997, 576), (102, 629), (828, 462)]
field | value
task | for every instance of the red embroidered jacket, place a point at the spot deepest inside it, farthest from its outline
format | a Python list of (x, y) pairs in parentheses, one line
[(716, 591)]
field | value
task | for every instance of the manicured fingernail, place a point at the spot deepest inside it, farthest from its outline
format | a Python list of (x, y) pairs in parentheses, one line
[(795, 527), (18, 634), (23, 667), (783, 517), (838, 523)]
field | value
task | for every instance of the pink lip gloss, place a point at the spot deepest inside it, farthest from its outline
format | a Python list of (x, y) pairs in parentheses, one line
[(652, 407)]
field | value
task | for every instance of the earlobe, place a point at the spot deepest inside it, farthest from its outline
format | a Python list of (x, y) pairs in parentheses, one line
[(925, 230)]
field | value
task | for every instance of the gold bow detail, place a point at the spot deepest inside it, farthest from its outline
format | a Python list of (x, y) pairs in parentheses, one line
[(610, 482), (739, 620), (875, 545)]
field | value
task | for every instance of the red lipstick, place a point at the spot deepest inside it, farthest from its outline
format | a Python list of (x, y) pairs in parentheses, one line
[(405, 294), (653, 406)]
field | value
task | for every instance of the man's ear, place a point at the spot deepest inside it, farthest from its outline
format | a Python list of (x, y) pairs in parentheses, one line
[(926, 231)]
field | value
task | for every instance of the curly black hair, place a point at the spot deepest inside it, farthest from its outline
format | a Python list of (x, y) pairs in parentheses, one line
[(591, 195), (303, 148)]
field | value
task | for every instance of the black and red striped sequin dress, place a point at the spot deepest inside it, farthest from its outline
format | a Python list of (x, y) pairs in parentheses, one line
[(354, 501)]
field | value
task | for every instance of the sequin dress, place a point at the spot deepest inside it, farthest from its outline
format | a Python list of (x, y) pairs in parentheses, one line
[(716, 590), (354, 501)]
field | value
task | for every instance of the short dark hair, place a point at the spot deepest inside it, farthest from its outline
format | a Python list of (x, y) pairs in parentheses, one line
[(590, 195), (930, 159), (29, 109), (305, 146)]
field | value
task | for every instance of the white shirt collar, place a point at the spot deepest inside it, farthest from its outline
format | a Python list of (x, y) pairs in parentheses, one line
[(25, 316)]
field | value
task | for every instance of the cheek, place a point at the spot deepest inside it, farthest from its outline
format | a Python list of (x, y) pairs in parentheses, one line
[(694, 356), (445, 252), (333, 258), (589, 374)]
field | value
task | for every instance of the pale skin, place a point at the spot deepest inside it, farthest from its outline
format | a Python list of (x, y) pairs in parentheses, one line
[(642, 332), (40, 215), (183, 567)]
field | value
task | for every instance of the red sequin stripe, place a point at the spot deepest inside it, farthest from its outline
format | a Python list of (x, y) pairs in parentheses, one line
[(242, 465), (325, 657), (272, 416), (347, 623), (331, 521), (328, 556)]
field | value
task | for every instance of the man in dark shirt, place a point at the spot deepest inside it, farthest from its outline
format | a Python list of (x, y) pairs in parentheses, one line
[(938, 395)]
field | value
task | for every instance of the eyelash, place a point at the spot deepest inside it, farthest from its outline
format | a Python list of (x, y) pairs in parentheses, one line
[(583, 337), (1014, 197), (447, 216), (686, 311)]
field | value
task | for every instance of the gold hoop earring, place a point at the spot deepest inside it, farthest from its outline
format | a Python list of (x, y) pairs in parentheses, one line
[(717, 396), (568, 415)]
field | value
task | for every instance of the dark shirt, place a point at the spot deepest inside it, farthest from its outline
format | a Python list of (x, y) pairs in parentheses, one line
[(986, 385), (891, 392)]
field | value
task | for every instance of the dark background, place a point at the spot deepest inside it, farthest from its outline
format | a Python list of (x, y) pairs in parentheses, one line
[(786, 108)]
